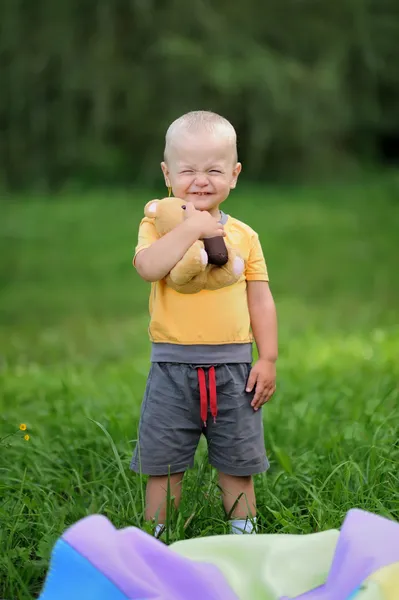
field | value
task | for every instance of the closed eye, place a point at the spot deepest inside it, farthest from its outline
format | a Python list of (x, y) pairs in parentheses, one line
[(215, 171)]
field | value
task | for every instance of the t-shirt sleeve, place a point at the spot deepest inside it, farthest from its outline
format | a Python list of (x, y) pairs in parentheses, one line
[(255, 267), (147, 235)]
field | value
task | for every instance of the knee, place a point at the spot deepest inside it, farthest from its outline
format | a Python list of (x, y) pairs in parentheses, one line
[(165, 481), (235, 481)]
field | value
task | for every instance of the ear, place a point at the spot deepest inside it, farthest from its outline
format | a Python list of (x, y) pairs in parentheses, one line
[(165, 172), (150, 209), (236, 172)]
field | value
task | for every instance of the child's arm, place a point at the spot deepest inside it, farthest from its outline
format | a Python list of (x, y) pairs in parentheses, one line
[(156, 261), (263, 317)]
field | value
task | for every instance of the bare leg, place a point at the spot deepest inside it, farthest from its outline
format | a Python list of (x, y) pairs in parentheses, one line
[(234, 488), (157, 493)]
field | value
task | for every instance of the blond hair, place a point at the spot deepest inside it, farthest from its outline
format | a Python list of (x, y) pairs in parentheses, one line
[(201, 121)]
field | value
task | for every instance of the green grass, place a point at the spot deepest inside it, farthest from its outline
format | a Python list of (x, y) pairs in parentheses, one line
[(74, 359)]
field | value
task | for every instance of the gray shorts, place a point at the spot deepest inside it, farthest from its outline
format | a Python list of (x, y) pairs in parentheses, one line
[(183, 401)]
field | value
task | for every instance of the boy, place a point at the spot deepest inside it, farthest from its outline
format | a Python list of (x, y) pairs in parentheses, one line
[(209, 333)]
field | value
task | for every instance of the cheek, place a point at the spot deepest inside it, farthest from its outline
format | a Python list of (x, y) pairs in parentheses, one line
[(181, 182), (222, 184)]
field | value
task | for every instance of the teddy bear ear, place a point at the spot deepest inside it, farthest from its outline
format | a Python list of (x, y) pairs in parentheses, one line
[(150, 209)]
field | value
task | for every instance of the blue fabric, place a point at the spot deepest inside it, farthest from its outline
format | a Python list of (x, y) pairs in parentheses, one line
[(73, 577), (355, 593)]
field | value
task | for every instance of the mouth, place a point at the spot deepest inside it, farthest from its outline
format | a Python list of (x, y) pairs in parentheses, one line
[(201, 193)]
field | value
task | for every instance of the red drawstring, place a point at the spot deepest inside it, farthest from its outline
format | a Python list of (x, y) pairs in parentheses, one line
[(203, 398), (213, 401), (203, 394)]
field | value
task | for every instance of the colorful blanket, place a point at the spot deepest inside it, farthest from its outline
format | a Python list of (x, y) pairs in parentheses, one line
[(95, 561)]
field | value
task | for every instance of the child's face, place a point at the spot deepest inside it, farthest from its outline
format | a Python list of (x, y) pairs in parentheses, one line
[(202, 169)]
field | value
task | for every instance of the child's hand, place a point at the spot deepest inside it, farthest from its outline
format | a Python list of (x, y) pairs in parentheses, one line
[(206, 225), (263, 378)]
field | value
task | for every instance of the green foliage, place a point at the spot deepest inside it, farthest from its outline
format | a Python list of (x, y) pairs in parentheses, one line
[(90, 87), (75, 355)]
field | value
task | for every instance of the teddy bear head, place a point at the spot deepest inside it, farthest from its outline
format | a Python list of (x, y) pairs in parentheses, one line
[(167, 213)]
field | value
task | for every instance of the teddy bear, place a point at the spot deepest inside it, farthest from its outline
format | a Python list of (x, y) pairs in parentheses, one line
[(207, 265)]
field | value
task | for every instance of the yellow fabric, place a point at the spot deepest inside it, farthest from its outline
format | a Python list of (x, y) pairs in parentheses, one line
[(387, 579), (208, 317)]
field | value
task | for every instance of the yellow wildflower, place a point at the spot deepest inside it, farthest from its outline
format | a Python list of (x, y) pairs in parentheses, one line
[(22, 427), (26, 437)]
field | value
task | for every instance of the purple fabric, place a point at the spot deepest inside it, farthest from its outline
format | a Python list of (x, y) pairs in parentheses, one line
[(367, 543), (142, 566)]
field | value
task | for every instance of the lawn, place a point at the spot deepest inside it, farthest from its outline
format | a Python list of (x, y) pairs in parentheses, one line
[(74, 358)]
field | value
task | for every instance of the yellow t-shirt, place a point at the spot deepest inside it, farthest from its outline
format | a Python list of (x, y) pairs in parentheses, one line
[(207, 317)]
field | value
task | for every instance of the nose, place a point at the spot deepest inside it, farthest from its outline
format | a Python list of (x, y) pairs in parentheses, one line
[(201, 180)]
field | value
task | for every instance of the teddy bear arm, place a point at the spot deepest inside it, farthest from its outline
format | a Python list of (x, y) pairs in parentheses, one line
[(195, 285), (219, 277), (191, 264)]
